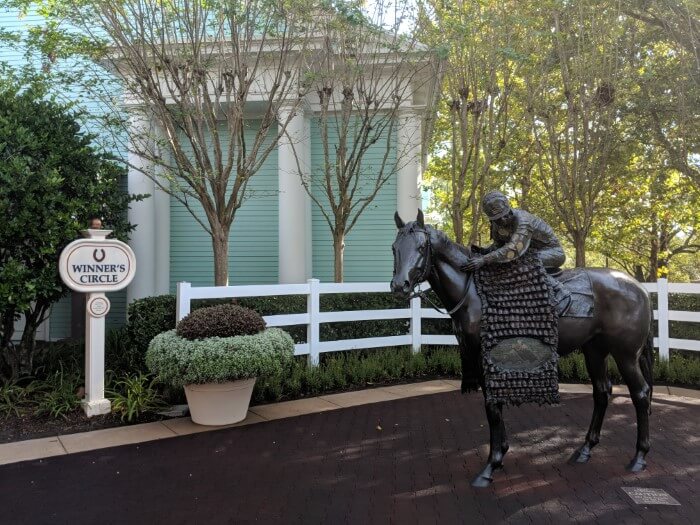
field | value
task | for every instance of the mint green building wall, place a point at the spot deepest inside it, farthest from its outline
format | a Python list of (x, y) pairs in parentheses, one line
[(14, 57), (253, 245), (368, 256)]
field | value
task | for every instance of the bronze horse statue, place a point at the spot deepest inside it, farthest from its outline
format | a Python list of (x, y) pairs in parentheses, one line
[(620, 326)]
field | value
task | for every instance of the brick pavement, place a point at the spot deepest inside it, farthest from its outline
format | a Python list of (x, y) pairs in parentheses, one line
[(403, 461)]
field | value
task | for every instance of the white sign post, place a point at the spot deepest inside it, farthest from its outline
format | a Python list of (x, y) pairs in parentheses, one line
[(96, 265)]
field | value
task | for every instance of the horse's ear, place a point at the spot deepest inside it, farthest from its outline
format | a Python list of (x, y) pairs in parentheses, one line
[(420, 220), (399, 222)]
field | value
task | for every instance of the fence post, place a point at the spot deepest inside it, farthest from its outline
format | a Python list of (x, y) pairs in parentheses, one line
[(662, 300), (313, 303), (183, 300), (416, 330)]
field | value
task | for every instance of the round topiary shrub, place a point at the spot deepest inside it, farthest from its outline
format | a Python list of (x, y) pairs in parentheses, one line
[(178, 361), (224, 320)]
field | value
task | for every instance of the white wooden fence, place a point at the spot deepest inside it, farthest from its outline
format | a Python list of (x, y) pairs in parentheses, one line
[(313, 317), (663, 341)]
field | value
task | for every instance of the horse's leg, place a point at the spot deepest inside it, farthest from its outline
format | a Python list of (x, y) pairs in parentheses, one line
[(498, 445), (597, 365), (639, 392)]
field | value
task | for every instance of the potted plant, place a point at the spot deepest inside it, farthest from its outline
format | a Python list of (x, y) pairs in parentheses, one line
[(216, 353)]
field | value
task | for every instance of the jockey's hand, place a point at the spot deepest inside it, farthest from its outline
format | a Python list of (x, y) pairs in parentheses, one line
[(473, 264)]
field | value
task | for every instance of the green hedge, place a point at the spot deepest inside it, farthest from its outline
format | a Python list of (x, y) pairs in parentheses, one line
[(361, 369), (147, 318), (684, 303), (357, 369), (152, 315)]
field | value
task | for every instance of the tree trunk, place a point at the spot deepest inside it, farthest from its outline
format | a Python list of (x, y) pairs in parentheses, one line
[(474, 233), (220, 244), (8, 329), (458, 225), (580, 247), (653, 254), (27, 345), (338, 254), (525, 185)]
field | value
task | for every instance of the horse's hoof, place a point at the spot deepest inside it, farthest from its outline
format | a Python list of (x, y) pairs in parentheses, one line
[(580, 456), (637, 465), (481, 482)]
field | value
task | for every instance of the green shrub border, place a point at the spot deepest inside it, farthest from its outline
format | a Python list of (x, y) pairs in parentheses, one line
[(358, 369)]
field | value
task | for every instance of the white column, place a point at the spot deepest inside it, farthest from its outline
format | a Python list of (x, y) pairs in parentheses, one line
[(162, 234), (309, 224), (142, 215), (294, 203), (408, 157)]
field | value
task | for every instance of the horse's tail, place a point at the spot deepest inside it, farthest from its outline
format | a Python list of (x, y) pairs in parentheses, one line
[(646, 359)]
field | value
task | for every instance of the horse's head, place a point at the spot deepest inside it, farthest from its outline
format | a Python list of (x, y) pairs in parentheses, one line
[(412, 255)]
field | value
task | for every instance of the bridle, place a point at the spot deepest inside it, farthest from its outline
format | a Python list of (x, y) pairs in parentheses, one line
[(425, 274)]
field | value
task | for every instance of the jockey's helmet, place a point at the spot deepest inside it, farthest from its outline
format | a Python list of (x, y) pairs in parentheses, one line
[(495, 205)]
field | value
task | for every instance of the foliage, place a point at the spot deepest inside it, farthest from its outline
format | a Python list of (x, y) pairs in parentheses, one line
[(355, 370), (121, 356), (58, 394), (601, 138), (67, 355), (147, 318), (178, 361), (134, 395), (13, 398), (680, 369), (487, 46), (157, 314), (225, 320), (684, 303), (51, 180)]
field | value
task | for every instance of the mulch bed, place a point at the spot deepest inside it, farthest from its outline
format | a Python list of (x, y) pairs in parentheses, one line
[(21, 428), (14, 428)]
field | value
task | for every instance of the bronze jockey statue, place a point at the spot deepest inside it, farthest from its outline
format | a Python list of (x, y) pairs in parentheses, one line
[(514, 232)]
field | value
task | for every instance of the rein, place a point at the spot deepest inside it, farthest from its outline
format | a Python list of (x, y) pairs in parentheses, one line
[(427, 270)]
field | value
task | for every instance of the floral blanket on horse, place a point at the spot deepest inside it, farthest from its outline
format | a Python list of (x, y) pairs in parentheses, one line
[(519, 332)]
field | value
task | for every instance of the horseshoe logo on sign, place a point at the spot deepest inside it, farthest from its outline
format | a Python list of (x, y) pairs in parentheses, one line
[(99, 259)]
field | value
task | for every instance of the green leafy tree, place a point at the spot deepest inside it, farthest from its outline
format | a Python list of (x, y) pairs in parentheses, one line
[(487, 46), (576, 113), (667, 53), (51, 181)]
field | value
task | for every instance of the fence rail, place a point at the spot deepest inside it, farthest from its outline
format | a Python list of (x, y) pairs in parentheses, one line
[(313, 289)]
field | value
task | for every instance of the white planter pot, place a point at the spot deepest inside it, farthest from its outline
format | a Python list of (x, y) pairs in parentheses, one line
[(219, 403)]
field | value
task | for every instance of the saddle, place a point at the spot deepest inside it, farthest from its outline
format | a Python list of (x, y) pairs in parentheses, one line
[(573, 293)]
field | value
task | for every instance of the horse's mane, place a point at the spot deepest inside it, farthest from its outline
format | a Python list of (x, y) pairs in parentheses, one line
[(448, 243), (448, 250)]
